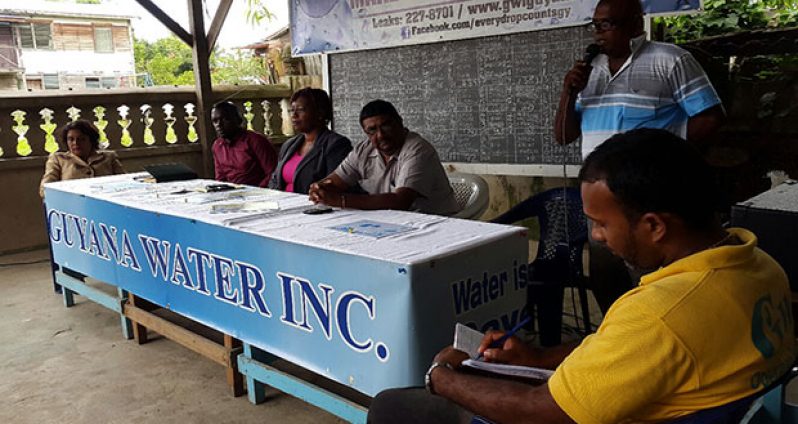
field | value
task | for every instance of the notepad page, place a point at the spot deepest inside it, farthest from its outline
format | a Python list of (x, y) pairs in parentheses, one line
[(511, 370), (467, 340)]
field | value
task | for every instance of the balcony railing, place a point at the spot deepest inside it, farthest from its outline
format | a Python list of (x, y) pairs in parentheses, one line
[(130, 118)]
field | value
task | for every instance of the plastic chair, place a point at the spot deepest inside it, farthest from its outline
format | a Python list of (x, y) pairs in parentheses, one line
[(558, 263), (730, 413), (471, 193), (764, 407)]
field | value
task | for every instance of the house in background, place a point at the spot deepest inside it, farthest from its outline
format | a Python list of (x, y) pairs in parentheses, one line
[(58, 45), (275, 51)]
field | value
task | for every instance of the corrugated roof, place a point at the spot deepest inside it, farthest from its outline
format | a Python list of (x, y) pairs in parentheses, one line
[(265, 42)]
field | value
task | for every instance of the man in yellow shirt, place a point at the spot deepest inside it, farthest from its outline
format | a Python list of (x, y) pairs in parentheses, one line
[(711, 326)]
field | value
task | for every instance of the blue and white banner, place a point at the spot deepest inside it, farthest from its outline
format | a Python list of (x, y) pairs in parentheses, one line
[(366, 323), (329, 26)]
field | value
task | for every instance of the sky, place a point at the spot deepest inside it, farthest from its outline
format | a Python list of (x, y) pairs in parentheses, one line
[(236, 31)]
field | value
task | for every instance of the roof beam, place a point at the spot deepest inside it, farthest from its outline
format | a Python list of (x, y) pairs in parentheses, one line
[(167, 21), (218, 21), (202, 82)]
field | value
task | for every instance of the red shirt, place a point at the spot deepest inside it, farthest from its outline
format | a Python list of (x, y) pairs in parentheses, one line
[(249, 159)]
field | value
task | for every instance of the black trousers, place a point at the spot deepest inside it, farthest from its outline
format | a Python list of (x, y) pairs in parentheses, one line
[(416, 405)]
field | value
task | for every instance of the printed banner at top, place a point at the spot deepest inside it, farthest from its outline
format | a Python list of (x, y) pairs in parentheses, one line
[(329, 26)]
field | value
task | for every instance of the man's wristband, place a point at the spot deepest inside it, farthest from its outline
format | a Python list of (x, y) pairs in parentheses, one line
[(428, 375)]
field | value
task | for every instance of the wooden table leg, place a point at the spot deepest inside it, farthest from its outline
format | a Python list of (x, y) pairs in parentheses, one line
[(234, 378), (139, 331)]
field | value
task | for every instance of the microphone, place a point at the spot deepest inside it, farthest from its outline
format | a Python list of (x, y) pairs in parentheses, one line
[(591, 52)]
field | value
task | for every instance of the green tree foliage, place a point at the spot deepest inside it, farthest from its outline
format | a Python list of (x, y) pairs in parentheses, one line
[(729, 16), (257, 12), (237, 67), (168, 61)]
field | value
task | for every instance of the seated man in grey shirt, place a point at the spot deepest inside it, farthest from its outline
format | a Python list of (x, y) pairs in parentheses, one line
[(396, 167)]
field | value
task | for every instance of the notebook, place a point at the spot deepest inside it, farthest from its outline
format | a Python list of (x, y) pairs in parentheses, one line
[(164, 172), (468, 340)]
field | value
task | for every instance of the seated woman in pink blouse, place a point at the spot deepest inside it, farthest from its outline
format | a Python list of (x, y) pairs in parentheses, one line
[(315, 151)]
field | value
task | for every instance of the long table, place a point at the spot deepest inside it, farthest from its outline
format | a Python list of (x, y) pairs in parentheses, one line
[(364, 298)]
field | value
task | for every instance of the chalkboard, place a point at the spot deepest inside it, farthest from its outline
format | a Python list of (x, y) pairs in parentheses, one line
[(486, 100)]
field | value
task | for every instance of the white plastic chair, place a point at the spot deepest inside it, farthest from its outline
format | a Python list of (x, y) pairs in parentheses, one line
[(471, 193)]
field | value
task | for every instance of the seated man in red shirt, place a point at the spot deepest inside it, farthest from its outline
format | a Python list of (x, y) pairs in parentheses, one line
[(240, 156)]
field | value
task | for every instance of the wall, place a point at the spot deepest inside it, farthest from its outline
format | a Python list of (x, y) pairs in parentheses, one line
[(77, 62), (9, 82), (21, 216)]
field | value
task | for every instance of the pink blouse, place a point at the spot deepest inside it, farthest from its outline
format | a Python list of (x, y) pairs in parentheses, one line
[(289, 169)]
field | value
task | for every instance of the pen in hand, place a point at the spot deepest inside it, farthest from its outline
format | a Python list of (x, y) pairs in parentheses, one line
[(500, 341)]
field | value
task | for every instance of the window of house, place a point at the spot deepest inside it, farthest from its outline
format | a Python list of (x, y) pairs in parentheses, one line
[(43, 36), (50, 82), (35, 36), (103, 40), (121, 38), (92, 82), (33, 83), (25, 36), (74, 37), (9, 58), (109, 82), (6, 36)]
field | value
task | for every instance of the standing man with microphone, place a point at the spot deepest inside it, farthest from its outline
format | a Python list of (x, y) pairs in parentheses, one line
[(631, 83)]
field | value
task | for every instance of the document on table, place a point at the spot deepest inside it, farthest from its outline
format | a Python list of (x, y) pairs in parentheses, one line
[(258, 206), (467, 340), (119, 186), (372, 228)]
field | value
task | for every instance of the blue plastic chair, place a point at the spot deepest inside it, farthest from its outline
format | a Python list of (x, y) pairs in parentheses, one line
[(730, 413), (558, 263), (763, 407)]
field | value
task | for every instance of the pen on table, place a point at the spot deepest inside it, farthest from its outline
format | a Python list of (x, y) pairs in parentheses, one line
[(500, 341)]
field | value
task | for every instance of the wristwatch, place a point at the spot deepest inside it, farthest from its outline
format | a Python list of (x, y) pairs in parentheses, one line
[(428, 375)]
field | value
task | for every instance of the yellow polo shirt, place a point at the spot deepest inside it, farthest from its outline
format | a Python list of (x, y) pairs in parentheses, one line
[(704, 331)]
